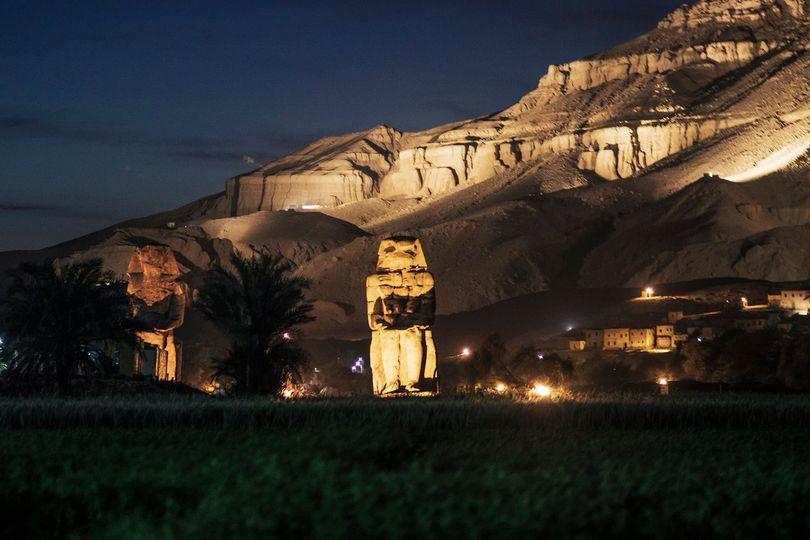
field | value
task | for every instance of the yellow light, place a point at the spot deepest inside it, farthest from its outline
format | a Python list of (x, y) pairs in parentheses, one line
[(648, 292), (541, 390), (287, 393), (774, 162), (465, 352), (663, 381), (500, 387)]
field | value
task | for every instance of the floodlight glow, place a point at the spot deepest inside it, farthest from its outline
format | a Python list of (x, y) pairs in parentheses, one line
[(541, 390), (776, 161)]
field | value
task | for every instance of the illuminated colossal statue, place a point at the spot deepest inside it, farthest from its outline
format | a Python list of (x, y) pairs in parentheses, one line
[(159, 302), (401, 307)]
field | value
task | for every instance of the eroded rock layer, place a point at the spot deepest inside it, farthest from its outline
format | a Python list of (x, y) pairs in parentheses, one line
[(615, 114)]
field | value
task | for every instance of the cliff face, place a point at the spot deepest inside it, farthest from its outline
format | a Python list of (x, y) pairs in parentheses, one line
[(328, 172), (615, 114)]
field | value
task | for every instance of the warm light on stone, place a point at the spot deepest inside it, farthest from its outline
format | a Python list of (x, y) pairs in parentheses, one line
[(158, 301), (401, 307)]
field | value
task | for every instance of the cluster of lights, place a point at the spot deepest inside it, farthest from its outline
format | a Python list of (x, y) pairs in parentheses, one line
[(465, 352), (358, 366), (500, 387), (213, 387), (541, 390)]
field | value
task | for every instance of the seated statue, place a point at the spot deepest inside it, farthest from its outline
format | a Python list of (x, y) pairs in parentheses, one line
[(159, 302), (401, 307)]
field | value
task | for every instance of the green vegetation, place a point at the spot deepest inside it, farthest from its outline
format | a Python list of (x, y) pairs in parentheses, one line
[(258, 306), (57, 318), (591, 466)]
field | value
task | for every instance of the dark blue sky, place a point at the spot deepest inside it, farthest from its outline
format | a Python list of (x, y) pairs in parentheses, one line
[(112, 110)]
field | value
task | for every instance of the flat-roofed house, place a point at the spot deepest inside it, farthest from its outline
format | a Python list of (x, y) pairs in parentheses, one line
[(642, 338), (795, 300), (594, 338), (617, 338), (665, 336)]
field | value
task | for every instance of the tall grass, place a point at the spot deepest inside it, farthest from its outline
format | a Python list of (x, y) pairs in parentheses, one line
[(578, 412)]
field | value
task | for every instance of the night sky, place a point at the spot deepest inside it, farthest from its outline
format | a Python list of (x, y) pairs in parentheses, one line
[(113, 110)]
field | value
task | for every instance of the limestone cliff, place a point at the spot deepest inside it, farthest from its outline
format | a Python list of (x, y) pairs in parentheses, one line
[(328, 172), (615, 114)]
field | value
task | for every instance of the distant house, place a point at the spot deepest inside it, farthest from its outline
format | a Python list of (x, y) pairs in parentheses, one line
[(755, 321), (617, 339), (664, 336), (795, 300), (642, 338), (576, 344), (594, 338)]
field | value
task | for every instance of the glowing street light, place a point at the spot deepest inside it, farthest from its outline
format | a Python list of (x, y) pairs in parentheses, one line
[(649, 292), (541, 390), (286, 336), (500, 388), (465, 352), (663, 385), (287, 393), (744, 302)]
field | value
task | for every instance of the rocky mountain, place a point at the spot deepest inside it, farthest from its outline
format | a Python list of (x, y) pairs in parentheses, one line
[(595, 178)]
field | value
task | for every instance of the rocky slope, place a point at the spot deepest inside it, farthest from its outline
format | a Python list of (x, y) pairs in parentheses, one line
[(616, 114), (592, 179)]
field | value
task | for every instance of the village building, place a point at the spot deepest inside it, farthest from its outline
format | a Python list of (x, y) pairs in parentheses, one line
[(642, 338), (576, 344), (755, 321), (797, 301), (616, 339), (664, 336), (594, 338)]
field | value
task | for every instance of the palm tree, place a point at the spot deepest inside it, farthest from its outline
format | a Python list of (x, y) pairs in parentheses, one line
[(55, 319), (257, 306)]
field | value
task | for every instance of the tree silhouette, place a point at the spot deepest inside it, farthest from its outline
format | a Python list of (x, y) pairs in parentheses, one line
[(55, 320), (258, 306)]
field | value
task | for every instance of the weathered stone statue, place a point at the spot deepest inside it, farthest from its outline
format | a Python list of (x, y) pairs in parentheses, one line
[(159, 301), (401, 308)]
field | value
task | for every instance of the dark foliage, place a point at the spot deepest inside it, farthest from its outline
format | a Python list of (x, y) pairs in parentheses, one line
[(767, 357), (256, 305), (56, 320)]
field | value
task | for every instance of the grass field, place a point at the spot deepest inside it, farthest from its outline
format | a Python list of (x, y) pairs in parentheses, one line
[(591, 467)]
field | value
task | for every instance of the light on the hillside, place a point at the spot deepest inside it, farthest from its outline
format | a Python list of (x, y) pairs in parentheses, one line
[(541, 390)]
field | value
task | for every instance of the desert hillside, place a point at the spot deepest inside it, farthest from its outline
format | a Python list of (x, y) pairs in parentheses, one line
[(596, 178)]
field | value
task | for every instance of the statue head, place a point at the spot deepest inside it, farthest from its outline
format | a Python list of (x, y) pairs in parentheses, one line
[(400, 253), (153, 273)]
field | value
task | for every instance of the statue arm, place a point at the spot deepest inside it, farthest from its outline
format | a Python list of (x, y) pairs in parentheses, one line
[(374, 303)]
